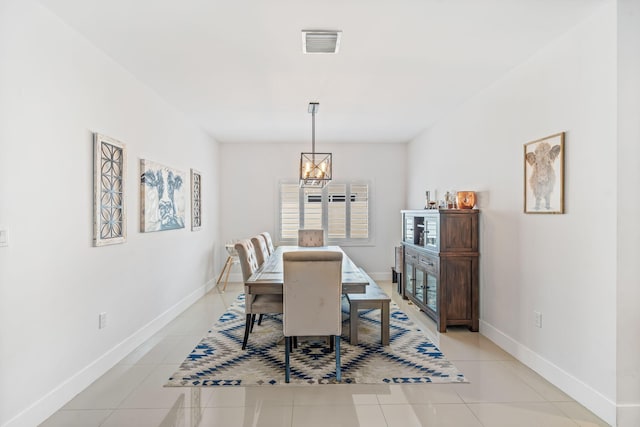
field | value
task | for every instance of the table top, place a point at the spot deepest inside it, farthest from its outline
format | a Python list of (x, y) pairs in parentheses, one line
[(272, 271)]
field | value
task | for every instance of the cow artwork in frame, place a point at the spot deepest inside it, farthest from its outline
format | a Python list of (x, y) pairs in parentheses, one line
[(544, 175), (162, 197)]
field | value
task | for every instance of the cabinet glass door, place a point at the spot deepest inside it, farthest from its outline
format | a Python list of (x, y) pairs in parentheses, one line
[(409, 279), (432, 292), (431, 232), (419, 284), (408, 229)]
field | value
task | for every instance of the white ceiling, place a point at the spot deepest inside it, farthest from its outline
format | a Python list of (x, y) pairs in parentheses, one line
[(236, 67)]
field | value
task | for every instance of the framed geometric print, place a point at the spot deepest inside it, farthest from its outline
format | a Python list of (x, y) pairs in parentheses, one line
[(109, 173), (196, 200)]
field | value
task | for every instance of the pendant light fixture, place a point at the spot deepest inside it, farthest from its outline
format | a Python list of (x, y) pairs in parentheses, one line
[(315, 168)]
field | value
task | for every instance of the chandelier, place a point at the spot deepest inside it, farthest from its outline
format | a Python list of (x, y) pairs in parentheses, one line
[(315, 168)]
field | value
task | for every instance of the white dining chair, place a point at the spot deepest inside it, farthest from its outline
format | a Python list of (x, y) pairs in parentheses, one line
[(260, 246), (267, 238), (312, 288), (310, 238), (254, 304)]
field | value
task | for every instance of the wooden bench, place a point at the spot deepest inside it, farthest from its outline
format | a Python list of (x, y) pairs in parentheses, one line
[(374, 298)]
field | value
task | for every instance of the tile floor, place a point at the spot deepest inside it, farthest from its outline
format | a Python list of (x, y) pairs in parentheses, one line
[(501, 392)]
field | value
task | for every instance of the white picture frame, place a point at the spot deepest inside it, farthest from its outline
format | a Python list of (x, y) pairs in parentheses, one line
[(109, 178)]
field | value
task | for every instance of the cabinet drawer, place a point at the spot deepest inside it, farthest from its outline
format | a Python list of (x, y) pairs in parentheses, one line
[(429, 263), (411, 255)]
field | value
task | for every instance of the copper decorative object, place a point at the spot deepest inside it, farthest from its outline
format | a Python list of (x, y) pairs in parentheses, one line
[(466, 199)]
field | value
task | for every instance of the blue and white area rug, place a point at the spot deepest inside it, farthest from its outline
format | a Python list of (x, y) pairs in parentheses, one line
[(218, 360)]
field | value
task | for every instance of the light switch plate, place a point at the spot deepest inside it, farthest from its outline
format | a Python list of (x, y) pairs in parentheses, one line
[(4, 237)]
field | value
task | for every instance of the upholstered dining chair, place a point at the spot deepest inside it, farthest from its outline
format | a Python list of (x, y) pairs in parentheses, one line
[(310, 238), (267, 238), (260, 246), (312, 289), (254, 304)]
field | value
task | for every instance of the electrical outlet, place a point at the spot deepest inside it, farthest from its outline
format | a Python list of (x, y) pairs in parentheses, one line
[(4, 237), (102, 321), (537, 318)]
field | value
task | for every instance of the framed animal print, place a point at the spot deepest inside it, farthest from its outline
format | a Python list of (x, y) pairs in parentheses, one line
[(544, 175), (109, 173), (162, 197)]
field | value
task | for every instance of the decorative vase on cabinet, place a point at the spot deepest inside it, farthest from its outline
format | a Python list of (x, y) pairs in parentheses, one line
[(441, 264)]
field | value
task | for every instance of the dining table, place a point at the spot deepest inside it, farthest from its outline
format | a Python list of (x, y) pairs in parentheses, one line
[(269, 277)]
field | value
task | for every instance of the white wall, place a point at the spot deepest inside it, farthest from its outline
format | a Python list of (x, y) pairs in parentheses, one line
[(561, 265), (55, 90), (251, 173), (628, 328)]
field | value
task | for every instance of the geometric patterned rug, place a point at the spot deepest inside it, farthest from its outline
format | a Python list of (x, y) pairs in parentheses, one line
[(218, 360)]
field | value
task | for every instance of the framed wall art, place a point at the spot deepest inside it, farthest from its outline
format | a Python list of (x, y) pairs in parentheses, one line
[(162, 197), (196, 200), (544, 175), (109, 170)]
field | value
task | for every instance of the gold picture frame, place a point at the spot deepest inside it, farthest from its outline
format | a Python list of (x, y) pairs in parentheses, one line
[(544, 175)]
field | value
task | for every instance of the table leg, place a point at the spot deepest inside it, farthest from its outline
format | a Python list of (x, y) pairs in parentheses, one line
[(384, 322), (353, 323)]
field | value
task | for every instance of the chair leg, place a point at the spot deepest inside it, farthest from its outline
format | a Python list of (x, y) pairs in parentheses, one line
[(253, 320), (338, 370), (260, 319), (331, 343), (295, 342), (287, 349), (223, 269), (226, 277), (247, 327)]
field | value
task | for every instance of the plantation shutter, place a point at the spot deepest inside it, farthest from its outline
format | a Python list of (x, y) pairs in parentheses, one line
[(312, 208), (337, 211), (359, 219), (342, 209), (289, 211)]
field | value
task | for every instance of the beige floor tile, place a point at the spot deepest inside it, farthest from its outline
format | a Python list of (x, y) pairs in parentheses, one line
[(521, 414), (151, 394), (338, 416), (181, 348), (108, 391), (148, 417), (432, 415), (580, 414), (539, 384), (151, 352), (258, 416), (491, 382), (419, 393), (77, 418), (356, 394), (210, 417), (132, 393), (250, 396)]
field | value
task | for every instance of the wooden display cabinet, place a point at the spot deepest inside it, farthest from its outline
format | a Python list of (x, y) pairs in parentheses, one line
[(441, 264)]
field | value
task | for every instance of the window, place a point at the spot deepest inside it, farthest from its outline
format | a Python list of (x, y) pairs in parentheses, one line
[(340, 208)]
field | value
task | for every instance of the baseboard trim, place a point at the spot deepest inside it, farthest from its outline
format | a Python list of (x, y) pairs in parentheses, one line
[(628, 415), (584, 394), (44, 407)]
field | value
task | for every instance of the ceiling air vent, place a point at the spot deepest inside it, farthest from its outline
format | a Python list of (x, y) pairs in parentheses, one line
[(320, 41)]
